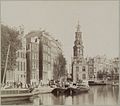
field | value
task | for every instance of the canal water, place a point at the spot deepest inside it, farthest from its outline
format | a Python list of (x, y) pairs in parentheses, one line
[(98, 95)]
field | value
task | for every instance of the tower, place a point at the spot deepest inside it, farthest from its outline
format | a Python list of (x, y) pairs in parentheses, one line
[(79, 67), (78, 44)]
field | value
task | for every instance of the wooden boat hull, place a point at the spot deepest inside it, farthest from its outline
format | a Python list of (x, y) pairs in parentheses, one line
[(17, 97), (93, 83), (115, 85), (72, 91), (49, 90), (58, 90), (97, 84), (83, 90)]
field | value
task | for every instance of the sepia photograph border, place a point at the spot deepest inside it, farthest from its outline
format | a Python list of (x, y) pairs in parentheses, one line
[(66, 40)]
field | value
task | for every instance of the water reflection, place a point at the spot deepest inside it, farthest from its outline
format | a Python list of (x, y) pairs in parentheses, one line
[(102, 95), (23, 102), (98, 95)]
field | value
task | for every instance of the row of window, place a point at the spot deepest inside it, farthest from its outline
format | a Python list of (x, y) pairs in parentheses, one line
[(83, 69), (46, 58), (34, 76), (35, 47), (21, 66), (28, 46), (45, 76), (83, 76), (35, 65), (35, 56), (9, 75), (46, 41), (46, 48), (21, 54), (46, 67), (21, 77)]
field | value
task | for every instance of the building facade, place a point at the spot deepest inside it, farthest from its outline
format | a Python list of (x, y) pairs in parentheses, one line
[(56, 50), (32, 49), (91, 73), (48, 50), (45, 57), (101, 66), (20, 71), (79, 64), (114, 72), (19, 74)]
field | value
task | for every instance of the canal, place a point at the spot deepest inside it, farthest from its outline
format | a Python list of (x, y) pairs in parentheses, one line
[(98, 95)]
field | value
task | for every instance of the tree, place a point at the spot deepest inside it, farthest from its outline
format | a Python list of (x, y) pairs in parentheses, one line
[(9, 36), (59, 69)]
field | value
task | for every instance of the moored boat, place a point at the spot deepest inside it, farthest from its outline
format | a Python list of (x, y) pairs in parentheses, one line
[(43, 89), (77, 88), (59, 90), (115, 84), (83, 89), (14, 94), (93, 83), (70, 91)]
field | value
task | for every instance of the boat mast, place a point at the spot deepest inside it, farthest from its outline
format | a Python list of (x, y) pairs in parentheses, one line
[(6, 64)]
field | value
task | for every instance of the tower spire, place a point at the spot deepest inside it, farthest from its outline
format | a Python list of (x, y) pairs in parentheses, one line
[(78, 44), (78, 27)]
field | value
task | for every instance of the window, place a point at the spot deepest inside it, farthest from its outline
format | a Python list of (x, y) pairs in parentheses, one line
[(18, 77), (84, 76), (34, 75), (77, 69), (24, 66), (21, 66), (35, 56), (18, 66), (18, 54), (36, 40), (21, 54), (83, 69), (33, 65), (28, 46)]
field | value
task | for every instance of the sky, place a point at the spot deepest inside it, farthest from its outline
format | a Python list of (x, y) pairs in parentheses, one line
[(99, 22)]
